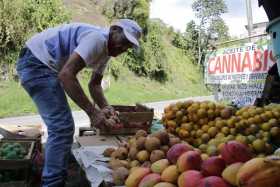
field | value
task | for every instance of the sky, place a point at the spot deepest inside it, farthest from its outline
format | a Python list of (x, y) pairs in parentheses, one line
[(177, 13)]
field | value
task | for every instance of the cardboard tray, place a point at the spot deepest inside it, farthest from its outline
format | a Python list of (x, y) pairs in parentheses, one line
[(19, 163)]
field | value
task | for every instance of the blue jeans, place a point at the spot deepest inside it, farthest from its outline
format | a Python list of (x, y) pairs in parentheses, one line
[(43, 86)]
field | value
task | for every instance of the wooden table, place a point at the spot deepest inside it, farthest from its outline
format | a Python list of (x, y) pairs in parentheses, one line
[(88, 138), (94, 139)]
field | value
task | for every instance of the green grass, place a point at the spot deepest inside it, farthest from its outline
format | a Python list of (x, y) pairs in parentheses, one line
[(185, 81)]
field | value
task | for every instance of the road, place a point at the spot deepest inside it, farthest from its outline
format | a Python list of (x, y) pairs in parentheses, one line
[(81, 119)]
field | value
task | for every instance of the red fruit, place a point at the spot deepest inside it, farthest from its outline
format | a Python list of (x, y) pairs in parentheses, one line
[(213, 181), (190, 178), (213, 166), (150, 180), (190, 160), (234, 151), (176, 150)]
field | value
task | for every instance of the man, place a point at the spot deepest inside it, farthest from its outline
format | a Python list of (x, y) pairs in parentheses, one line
[(271, 89), (48, 65)]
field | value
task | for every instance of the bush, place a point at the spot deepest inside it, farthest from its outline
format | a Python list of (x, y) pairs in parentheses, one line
[(19, 19)]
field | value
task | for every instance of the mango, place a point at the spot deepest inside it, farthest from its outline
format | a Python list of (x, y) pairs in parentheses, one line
[(136, 176), (190, 160), (230, 173), (164, 184), (176, 150), (213, 181), (170, 174), (150, 180), (234, 151), (213, 166), (189, 178), (159, 166), (259, 172)]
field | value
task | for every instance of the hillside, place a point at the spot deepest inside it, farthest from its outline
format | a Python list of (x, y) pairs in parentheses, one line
[(87, 11), (184, 77)]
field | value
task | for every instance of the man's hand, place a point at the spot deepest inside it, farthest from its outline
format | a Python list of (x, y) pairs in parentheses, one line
[(106, 118), (97, 119), (109, 111)]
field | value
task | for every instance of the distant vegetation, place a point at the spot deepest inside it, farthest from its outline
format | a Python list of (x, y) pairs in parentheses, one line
[(168, 65), (21, 18)]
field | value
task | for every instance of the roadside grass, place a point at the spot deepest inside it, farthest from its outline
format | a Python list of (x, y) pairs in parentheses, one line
[(185, 81)]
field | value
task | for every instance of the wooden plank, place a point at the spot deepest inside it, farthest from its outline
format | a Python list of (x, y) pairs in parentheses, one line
[(97, 140), (30, 131)]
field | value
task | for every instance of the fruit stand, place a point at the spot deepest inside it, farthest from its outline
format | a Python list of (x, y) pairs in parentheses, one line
[(203, 144)]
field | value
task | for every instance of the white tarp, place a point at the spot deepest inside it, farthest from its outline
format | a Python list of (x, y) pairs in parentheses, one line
[(94, 164)]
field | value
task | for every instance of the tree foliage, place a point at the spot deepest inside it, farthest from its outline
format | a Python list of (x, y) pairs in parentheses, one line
[(21, 18), (150, 60), (211, 26), (211, 29), (207, 10), (137, 10), (192, 38)]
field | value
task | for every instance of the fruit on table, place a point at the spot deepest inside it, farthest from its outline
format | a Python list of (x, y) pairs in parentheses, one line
[(213, 166), (119, 175), (150, 180), (143, 156), (234, 151), (176, 150), (157, 155), (213, 181), (260, 172), (189, 178), (170, 174), (190, 160), (159, 166), (120, 153), (210, 124), (136, 176), (164, 184), (152, 143), (230, 173), (108, 152)]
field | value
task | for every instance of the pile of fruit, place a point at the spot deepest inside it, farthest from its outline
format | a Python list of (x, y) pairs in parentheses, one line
[(162, 160), (208, 125), (140, 150), (12, 151)]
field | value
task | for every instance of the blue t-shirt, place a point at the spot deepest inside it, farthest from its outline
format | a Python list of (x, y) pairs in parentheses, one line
[(54, 46)]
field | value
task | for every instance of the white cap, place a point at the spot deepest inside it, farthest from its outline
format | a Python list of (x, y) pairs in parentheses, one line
[(131, 30)]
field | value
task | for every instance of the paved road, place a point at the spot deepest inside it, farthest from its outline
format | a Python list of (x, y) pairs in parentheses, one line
[(81, 119)]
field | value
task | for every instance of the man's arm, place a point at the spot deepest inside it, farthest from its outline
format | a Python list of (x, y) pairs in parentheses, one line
[(96, 90), (67, 77)]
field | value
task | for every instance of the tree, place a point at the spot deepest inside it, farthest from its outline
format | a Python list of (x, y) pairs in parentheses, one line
[(192, 35), (219, 28), (137, 10), (211, 25)]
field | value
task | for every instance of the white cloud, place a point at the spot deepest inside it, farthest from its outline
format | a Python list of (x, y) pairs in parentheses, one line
[(178, 13), (172, 12)]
